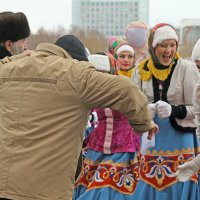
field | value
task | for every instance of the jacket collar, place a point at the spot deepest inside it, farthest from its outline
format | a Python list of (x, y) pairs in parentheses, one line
[(52, 49), (4, 52)]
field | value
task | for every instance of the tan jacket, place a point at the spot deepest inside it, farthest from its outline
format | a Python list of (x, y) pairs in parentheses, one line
[(45, 99), (181, 88)]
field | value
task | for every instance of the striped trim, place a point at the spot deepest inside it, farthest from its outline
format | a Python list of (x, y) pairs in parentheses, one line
[(109, 130)]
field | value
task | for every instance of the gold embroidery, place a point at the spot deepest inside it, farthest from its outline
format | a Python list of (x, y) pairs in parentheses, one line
[(171, 153), (110, 162)]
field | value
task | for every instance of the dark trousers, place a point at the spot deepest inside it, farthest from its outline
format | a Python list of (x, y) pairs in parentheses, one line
[(4, 199)]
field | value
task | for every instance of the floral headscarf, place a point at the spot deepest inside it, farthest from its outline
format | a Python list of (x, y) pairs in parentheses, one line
[(113, 44), (114, 65)]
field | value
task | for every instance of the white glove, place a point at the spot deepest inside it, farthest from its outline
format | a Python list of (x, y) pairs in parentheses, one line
[(152, 109), (163, 109), (188, 169), (93, 119), (88, 124)]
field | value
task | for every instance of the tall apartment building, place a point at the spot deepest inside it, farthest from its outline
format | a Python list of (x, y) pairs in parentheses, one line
[(109, 17)]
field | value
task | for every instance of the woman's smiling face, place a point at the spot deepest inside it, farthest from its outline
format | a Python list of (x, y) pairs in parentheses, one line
[(126, 60), (165, 51)]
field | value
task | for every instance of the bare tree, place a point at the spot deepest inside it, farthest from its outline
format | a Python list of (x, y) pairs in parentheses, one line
[(43, 35), (92, 39)]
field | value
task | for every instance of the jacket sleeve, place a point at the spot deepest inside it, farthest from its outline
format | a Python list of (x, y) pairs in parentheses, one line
[(11, 58), (196, 102), (190, 80), (97, 89)]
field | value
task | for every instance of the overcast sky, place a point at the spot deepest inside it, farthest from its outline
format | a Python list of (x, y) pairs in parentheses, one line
[(54, 13)]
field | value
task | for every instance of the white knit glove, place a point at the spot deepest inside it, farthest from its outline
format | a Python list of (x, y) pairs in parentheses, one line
[(163, 109), (152, 109), (188, 169)]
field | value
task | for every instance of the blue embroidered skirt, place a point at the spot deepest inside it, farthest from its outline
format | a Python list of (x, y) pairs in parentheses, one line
[(159, 164), (106, 177)]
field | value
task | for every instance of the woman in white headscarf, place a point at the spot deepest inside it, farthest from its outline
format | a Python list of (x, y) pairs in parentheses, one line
[(168, 81), (125, 55)]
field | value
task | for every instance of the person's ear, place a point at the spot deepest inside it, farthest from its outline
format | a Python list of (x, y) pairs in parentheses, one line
[(8, 45)]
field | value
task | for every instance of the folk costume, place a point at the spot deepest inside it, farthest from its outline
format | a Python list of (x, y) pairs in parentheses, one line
[(110, 169), (169, 90)]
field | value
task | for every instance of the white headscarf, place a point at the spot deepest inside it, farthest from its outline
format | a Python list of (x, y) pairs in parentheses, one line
[(164, 33), (196, 51), (100, 62)]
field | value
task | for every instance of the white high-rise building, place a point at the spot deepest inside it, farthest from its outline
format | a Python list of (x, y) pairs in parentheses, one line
[(109, 17)]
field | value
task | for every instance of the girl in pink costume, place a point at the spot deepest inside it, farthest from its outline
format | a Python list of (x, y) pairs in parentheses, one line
[(110, 169)]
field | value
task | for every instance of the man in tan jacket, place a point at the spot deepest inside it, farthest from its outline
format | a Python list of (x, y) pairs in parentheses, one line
[(45, 99)]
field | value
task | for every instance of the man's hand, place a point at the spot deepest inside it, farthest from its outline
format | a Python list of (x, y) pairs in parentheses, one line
[(27, 52), (153, 130)]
